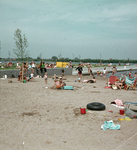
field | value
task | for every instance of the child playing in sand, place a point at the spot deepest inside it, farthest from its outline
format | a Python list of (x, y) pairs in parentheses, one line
[(45, 77), (57, 84), (61, 82)]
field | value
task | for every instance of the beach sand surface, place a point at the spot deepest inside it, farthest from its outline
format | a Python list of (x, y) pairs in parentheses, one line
[(33, 117)]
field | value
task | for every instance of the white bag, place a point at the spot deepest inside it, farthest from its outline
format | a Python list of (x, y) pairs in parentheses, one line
[(114, 87)]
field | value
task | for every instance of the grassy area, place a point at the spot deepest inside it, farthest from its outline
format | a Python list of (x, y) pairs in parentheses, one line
[(9, 68), (14, 66)]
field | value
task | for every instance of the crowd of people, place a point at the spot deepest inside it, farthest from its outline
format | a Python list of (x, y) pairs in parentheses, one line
[(41, 69)]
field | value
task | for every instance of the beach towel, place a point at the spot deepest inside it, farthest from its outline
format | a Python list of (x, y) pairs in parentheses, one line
[(110, 125), (130, 81), (117, 103)]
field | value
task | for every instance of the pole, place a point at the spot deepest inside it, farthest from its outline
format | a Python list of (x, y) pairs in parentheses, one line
[(22, 71)]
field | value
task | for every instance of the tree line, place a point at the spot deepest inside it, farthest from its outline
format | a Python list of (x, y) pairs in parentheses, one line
[(22, 53)]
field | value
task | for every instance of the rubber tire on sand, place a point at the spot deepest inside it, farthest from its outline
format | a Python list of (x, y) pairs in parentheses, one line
[(96, 106)]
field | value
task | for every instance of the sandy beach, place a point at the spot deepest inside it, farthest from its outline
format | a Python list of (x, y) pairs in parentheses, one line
[(33, 117)]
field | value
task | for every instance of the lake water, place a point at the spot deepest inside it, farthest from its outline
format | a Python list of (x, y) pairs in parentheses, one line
[(51, 62)]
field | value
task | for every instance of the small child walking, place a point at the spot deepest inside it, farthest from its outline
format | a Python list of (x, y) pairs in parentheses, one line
[(32, 75), (45, 77)]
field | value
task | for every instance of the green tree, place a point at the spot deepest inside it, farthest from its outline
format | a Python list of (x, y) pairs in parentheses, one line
[(54, 57), (21, 45)]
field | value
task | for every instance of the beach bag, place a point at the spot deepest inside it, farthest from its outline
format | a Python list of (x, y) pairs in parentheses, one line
[(131, 114), (114, 87)]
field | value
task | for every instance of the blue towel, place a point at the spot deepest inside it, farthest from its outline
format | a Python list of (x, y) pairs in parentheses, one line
[(110, 125)]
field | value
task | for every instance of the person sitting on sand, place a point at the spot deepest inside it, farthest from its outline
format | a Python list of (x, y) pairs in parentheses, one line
[(90, 81), (57, 84), (120, 83), (61, 82)]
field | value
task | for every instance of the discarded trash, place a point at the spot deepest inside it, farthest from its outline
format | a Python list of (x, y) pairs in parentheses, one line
[(110, 125)]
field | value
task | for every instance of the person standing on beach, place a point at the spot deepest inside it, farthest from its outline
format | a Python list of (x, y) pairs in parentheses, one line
[(63, 71), (88, 68), (104, 72), (45, 77), (79, 68), (91, 72)]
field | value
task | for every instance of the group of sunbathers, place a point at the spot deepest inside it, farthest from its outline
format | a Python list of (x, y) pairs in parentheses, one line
[(122, 83)]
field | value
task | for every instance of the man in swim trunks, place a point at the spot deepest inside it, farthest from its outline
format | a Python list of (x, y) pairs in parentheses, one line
[(79, 68)]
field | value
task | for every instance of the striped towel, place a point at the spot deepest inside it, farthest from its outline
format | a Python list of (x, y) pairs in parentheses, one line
[(130, 81)]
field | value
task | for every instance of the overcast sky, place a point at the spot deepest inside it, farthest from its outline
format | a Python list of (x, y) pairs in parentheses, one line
[(73, 28)]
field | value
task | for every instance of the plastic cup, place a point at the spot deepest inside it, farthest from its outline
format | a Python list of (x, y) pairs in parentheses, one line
[(83, 110), (121, 112)]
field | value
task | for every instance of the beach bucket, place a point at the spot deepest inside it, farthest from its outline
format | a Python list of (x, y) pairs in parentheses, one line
[(121, 112), (83, 110)]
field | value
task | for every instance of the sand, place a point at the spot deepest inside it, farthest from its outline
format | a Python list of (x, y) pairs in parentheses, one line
[(33, 117)]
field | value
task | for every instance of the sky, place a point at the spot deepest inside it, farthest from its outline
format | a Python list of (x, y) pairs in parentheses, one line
[(96, 29)]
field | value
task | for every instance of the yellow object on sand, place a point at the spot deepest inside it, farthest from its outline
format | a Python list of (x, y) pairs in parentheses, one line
[(120, 119), (127, 119)]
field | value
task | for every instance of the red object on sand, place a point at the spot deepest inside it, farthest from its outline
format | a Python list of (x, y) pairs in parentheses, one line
[(121, 112), (83, 110), (58, 86), (107, 87), (111, 111)]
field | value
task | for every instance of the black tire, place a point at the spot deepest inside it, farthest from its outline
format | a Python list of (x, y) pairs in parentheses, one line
[(96, 106)]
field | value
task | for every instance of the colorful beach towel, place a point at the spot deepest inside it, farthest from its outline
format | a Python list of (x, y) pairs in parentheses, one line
[(110, 125), (118, 103), (130, 81)]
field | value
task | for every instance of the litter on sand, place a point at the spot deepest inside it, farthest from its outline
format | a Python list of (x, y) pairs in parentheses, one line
[(110, 125)]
